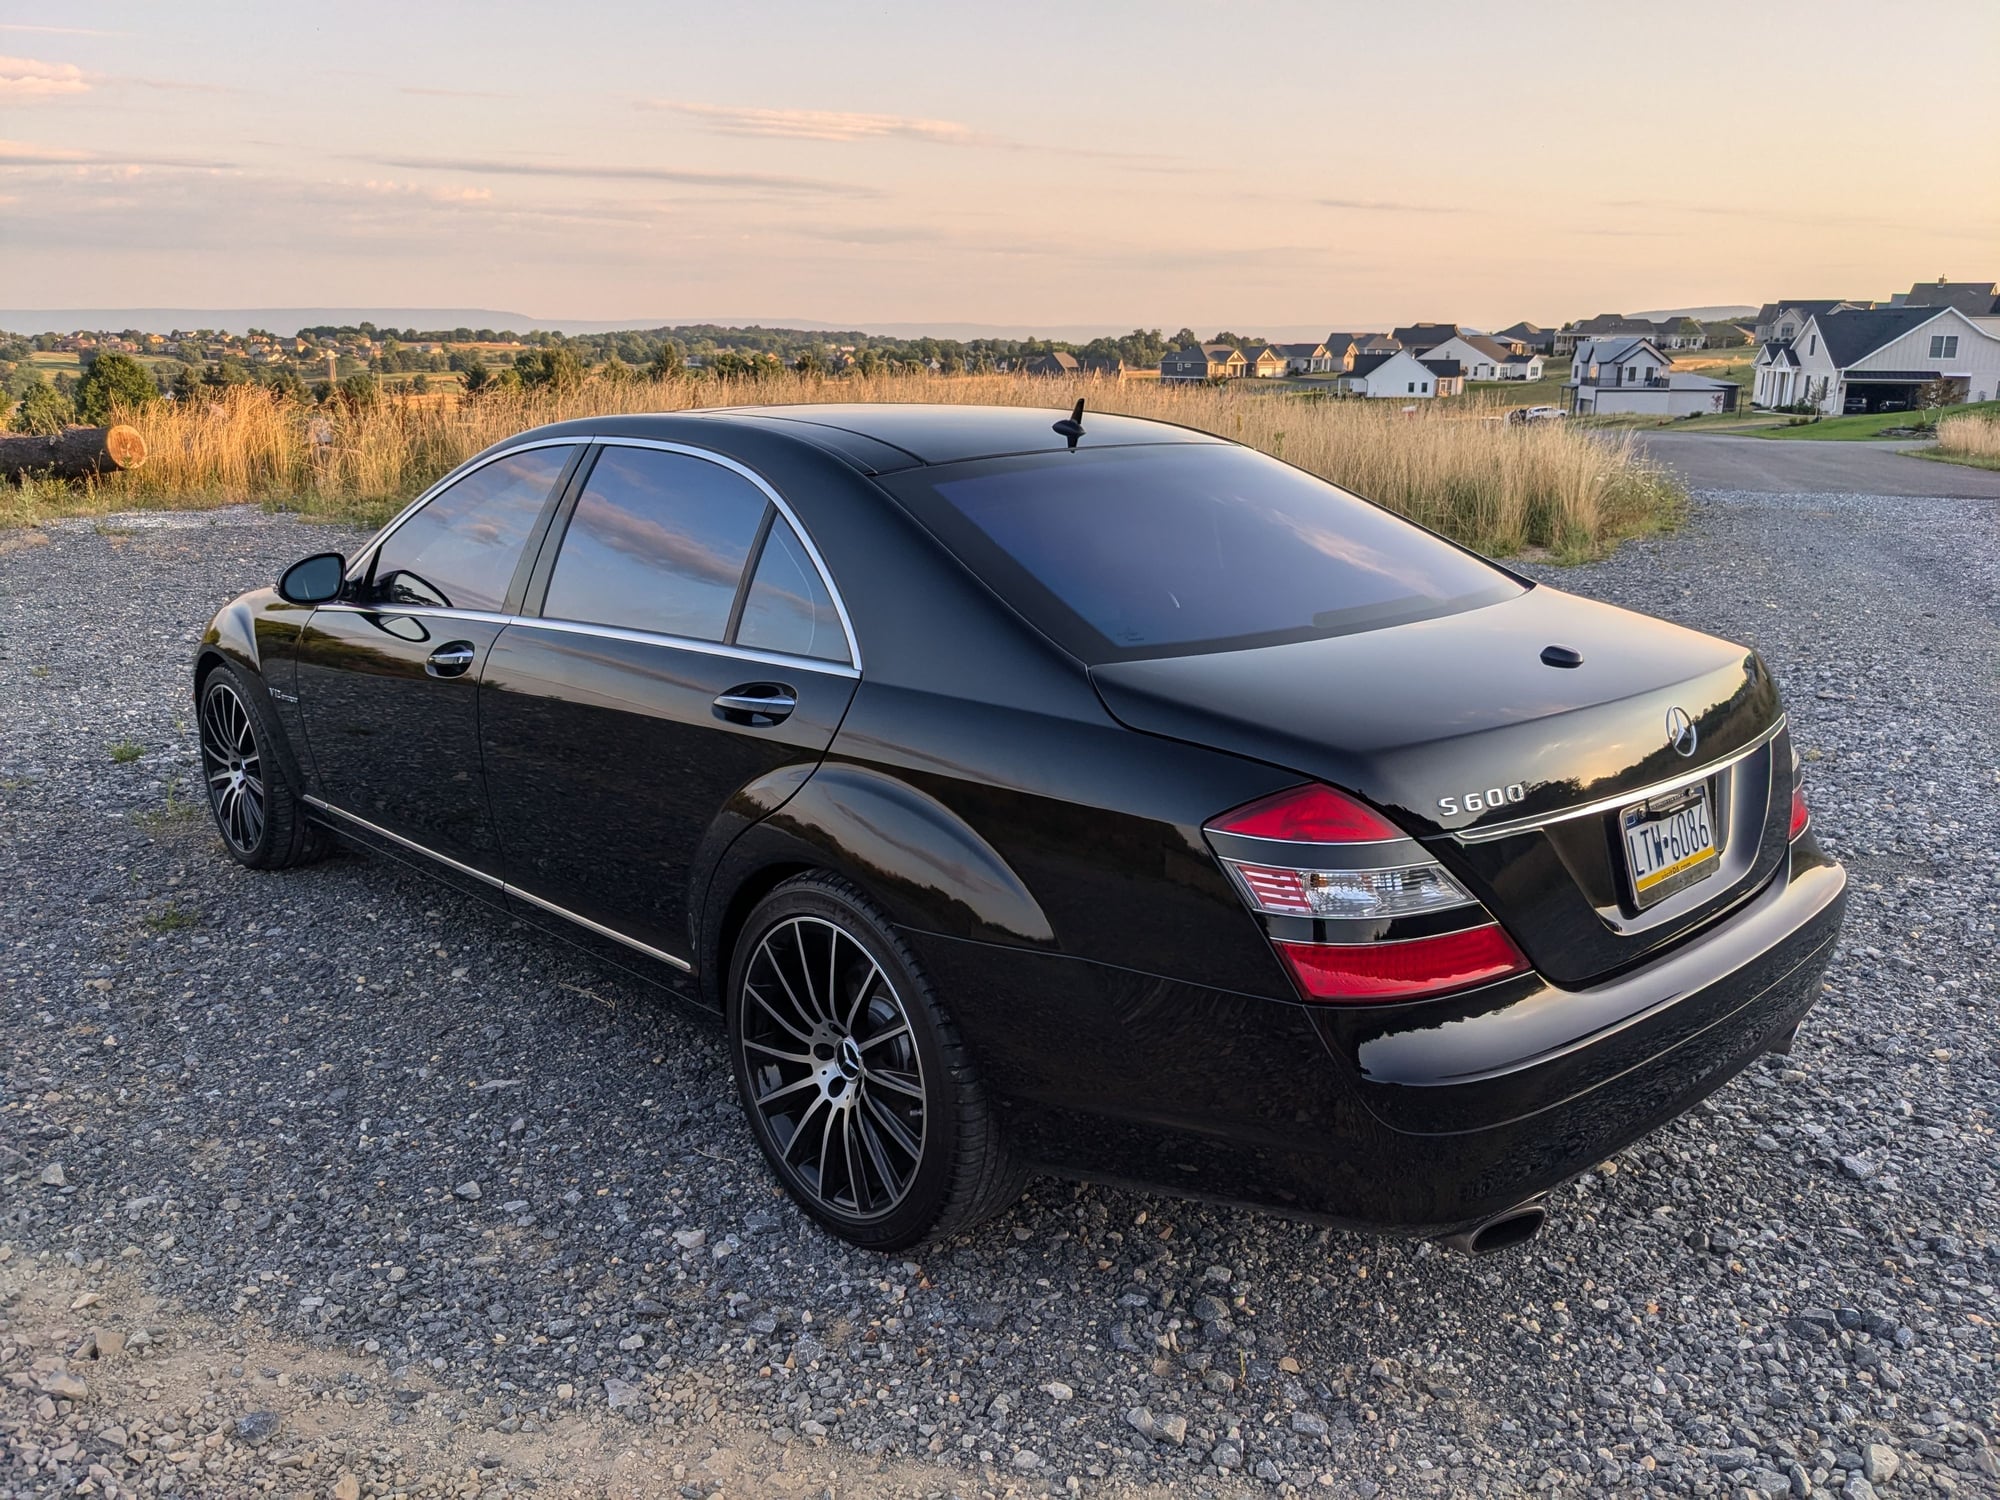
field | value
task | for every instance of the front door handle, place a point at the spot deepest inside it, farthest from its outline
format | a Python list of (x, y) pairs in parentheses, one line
[(756, 703), (450, 659)]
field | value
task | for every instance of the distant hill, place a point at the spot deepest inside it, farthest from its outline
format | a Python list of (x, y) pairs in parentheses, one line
[(1700, 314), (271, 319)]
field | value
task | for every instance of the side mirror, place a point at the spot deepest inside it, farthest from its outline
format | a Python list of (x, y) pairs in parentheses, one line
[(313, 580)]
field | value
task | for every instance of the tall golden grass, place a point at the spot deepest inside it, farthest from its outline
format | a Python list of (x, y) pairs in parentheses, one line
[(1501, 488), (1973, 435)]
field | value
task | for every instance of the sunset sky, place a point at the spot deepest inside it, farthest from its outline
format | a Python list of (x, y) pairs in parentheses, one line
[(1251, 165)]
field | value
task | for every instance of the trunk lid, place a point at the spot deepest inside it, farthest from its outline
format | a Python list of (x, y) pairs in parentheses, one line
[(1427, 719)]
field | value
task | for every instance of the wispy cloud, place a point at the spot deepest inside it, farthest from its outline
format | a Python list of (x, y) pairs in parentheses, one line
[(59, 30), (756, 182), (24, 78), (25, 154), (824, 124), (454, 93), (1384, 206)]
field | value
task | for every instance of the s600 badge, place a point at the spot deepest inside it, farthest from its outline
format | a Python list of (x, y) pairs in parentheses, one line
[(1480, 801)]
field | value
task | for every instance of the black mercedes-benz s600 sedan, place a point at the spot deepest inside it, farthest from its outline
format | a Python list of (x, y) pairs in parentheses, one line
[(1097, 798)]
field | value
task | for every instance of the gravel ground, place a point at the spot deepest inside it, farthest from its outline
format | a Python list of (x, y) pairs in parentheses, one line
[(337, 1183)]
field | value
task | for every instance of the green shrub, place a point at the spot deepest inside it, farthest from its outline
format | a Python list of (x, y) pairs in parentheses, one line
[(43, 409), (114, 384)]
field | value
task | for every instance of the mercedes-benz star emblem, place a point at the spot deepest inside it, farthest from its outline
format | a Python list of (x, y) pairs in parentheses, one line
[(1680, 730)]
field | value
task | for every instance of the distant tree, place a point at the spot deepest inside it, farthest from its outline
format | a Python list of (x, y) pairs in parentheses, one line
[(113, 383), (667, 363), (614, 371), (1943, 391), (43, 409), (322, 391), (555, 366), (284, 383), (476, 376), (809, 363), (360, 391), (421, 385), (187, 385)]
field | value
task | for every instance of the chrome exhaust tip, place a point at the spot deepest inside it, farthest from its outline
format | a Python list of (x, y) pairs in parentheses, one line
[(1504, 1230)]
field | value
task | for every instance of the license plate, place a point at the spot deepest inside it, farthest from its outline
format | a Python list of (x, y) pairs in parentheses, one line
[(1669, 844)]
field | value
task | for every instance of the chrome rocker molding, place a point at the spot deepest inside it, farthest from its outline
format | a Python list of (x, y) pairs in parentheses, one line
[(318, 805)]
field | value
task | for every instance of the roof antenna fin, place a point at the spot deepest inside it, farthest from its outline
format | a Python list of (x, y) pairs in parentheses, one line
[(1071, 426)]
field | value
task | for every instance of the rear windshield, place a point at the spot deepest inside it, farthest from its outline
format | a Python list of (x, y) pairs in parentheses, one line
[(1165, 551)]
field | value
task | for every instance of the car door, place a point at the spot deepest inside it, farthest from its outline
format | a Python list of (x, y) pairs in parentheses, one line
[(388, 676), (686, 642)]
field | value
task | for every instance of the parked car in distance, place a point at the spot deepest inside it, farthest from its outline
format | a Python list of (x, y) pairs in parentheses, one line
[(1101, 799), (1536, 414)]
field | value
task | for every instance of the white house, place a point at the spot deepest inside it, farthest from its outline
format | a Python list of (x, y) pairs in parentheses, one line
[(1480, 357), (1521, 367), (1401, 375), (1631, 374), (1880, 359)]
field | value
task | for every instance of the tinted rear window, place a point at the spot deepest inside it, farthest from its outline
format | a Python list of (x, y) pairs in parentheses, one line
[(1140, 552)]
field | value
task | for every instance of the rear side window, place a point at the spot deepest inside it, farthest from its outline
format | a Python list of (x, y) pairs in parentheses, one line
[(461, 549), (1160, 551), (658, 543), (788, 608)]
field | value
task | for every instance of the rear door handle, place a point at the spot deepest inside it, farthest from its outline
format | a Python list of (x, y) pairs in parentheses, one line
[(756, 703), (450, 659)]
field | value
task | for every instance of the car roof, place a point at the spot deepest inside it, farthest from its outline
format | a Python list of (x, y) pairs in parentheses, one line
[(884, 437)]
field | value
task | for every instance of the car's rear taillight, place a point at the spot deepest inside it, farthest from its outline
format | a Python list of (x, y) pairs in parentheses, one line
[(1801, 814), (1358, 911)]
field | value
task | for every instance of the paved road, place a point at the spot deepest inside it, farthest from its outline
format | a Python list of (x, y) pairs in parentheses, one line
[(1712, 461)]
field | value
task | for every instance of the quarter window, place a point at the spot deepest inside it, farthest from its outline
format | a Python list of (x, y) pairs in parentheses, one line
[(658, 543), (788, 608), (461, 549)]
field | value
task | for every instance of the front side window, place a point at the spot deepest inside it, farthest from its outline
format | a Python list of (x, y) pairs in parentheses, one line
[(460, 551), (657, 543), (1944, 346), (1161, 551)]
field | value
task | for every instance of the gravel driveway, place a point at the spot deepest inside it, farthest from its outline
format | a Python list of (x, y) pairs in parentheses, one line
[(354, 1186)]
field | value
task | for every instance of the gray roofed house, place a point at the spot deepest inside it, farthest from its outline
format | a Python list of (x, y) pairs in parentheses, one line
[(1778, 321), (1894, 358), (1418, 337), (1976, 299), (1530, 336), (1307, 359)]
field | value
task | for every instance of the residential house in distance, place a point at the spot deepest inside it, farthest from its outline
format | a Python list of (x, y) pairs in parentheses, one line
[(1421, 338), (1109, 367), (1306, 359), (1680, 333), (1483, 358), (1603, 326), (1061, 362), (1348, 347), (1629, 373), (1532, 339), (1780, 321), (1203, 362), (1880, 359), (1448, 376), (1976, 299), (1265, 361), (1382, 376)]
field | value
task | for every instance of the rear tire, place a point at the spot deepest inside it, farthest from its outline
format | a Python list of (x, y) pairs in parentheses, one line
[(853, 1076), (257, 812)]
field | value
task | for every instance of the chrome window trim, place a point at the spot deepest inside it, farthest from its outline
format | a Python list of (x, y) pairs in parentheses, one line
[(687, 643), (500, 885), (470, 466), (1622, 799), (611, 632), (771, 494)]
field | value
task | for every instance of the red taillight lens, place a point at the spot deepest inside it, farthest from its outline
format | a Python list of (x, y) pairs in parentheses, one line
[(1801, 814), (1416, 969), (1308, 815)]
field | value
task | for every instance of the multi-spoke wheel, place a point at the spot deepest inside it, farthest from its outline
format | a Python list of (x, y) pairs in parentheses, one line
[(255, 809), (853, 1078)]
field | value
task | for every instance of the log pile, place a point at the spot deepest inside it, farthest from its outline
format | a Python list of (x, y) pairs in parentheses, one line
[(73, 453)]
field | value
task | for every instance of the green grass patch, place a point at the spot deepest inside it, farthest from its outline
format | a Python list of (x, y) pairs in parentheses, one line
[(125, 752), (171, 918), (1871, 425)]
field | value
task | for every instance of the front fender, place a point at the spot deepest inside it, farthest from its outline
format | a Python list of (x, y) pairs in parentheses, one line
[(914, 857), (257, 634)]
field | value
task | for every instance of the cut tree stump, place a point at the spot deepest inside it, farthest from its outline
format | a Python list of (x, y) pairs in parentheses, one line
[(73, 453)]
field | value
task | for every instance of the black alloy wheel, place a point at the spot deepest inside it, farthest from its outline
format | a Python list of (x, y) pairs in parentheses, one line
[(256, 811), (853, 1079)]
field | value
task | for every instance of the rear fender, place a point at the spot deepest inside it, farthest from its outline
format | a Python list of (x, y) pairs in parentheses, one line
[(915, 858)]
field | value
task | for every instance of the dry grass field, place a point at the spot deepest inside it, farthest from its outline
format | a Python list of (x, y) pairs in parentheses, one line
[(1971, 438), (1503, 489)]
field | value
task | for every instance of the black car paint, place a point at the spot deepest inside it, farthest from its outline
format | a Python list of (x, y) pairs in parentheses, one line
[(1035, 829)]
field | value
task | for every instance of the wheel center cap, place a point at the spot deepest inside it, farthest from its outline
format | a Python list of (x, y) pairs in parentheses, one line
[(849, 1057)]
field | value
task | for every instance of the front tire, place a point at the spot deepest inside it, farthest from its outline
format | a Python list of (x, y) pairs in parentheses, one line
[(261, 820), (853, 1077)]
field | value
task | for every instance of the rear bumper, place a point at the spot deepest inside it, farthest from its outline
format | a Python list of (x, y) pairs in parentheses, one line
[(1418, 1119)]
